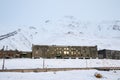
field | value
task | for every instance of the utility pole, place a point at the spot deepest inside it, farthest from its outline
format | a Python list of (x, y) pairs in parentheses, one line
[(43, 63), (3, 66), (86, 64), (3, 58), (43, 57)]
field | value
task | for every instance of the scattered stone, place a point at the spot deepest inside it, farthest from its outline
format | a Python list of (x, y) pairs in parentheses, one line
[(98, 75)]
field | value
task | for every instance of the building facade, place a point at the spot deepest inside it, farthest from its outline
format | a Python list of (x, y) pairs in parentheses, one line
[(25, 54), (9, 54), (15, 54), (53, 51), (109, 54)]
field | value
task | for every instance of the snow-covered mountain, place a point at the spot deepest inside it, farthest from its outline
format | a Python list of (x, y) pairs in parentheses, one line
[(65, 31)]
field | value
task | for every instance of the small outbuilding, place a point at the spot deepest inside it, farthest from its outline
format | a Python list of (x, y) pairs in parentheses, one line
[(109, 54)]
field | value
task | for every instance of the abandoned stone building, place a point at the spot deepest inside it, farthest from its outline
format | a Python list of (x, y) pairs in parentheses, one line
[(109, 54), (25, 54), (9, 54), (54, 51), (15, 54)]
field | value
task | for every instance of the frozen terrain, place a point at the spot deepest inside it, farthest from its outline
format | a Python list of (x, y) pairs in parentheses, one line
[(65, 31), (60, 75), (58, 63)]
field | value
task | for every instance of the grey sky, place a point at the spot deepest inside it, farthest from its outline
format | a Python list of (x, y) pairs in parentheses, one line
[(30, 12)]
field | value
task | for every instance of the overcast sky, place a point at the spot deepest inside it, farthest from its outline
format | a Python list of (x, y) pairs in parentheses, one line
[(30, 12)]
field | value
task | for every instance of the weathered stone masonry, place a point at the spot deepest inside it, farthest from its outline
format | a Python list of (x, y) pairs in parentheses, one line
[(54, 51)]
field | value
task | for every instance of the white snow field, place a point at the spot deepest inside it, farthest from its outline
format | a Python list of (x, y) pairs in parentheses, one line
[(63, 31), (58, 63), (60, 75)]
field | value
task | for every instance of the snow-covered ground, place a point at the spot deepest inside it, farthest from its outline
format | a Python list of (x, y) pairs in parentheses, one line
[(64, 31), (61, 75), (58, 63)]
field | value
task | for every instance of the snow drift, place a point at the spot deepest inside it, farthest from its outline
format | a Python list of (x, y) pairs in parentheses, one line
[(65, 31)]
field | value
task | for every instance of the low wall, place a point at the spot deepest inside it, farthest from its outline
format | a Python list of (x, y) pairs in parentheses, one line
[(58, 69)]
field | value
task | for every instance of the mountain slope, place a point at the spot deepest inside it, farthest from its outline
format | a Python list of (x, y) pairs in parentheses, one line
[(66, 31)]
